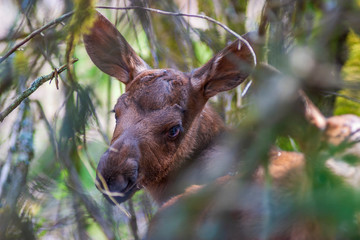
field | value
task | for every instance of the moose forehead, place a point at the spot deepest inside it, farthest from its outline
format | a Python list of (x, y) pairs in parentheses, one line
[(156, 89)]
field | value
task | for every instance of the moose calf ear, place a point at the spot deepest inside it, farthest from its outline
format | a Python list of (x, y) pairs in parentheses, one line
[(225, 70), (110, 52)]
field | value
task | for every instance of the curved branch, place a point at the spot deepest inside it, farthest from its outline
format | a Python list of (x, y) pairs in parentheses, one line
[(34, 33), (226, 28)]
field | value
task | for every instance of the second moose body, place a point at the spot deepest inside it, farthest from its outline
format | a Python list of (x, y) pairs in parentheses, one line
[(165, 126)]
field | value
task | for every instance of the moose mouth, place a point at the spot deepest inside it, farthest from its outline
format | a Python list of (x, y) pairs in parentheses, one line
[(114, 196), (122, 196)]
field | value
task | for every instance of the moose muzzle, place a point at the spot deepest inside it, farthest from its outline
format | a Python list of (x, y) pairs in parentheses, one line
[(118, 169)]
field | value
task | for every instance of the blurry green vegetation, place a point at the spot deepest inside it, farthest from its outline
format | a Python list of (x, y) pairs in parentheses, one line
[(73, 125), (349, 102), (202, 52)]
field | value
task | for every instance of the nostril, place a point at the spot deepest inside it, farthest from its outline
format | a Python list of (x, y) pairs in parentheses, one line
[(117, 180), (117, 183), (114, 184)]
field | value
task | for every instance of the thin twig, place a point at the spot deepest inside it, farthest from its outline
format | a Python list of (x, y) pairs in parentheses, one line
[(343, 96), (133, 221), (188, 15), (36, 32), (14, 37), (45, 55), (35, 85)]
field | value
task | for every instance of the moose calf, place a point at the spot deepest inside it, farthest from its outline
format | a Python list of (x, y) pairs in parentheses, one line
[(165, 126)]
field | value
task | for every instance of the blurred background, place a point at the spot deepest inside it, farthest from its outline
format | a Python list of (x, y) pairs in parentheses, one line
[(51, 143)]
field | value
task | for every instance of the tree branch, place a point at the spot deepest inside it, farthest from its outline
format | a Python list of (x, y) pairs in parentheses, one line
[(133, 222), (36, 32), (5, 170), (226, 28), (35, 85), (343, 96)]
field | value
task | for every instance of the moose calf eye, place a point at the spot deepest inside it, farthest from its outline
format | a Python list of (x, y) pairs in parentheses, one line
[(174, 132), (113, 111)]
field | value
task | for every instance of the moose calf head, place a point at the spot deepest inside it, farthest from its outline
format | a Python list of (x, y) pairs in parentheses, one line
[(159, 118)]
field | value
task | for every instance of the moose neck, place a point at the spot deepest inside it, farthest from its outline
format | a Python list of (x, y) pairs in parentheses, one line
[(194, 152)]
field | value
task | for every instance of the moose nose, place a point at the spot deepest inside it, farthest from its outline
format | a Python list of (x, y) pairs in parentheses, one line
[(118, 185), (117, 172), (117, 178)]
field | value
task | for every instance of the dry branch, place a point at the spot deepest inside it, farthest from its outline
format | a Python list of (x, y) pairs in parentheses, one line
[(35, 85), (66, 15), (226, 28), (34, 33)]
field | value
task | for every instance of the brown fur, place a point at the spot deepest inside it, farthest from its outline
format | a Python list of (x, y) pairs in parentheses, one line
[(156, 103), (160, 102)]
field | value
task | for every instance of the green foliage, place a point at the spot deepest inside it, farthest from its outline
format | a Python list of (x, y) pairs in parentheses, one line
[(207, 7), (82, 18), (21, 63), (80, 23), (141, 46), (202, 52), (61, 191), (351, 74), (73, 128), (287, 144)]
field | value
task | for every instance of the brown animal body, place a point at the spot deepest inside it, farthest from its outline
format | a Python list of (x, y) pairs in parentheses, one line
[(165, 126), (162, 120)]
